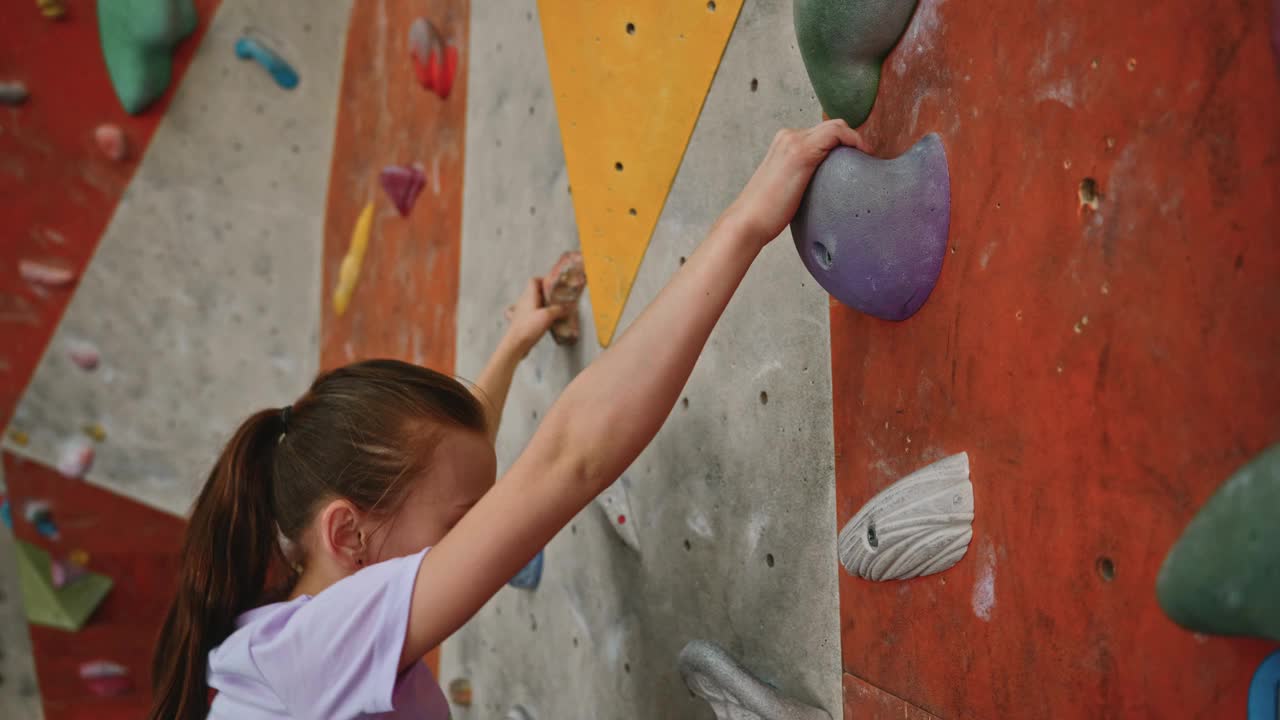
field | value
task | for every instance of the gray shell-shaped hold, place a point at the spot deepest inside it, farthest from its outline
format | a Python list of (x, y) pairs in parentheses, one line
[(920, 525), (733, 692)]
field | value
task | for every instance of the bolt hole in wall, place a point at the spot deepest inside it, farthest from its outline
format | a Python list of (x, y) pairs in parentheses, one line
[(618, 166), (711, 6), (1106, 568), (626, 667), (684, 401), (822, 255), (764, 398), (754, 84), (631, 212), (631, 28), (768, 559), (688, 545), (1089, 195)]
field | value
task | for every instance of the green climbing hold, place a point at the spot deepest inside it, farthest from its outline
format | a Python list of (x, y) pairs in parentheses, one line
[(844, 43), (1222, 577), (138, 37), (67, 607)]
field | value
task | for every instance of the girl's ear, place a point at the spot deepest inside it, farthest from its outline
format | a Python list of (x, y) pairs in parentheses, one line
[(342, 535)]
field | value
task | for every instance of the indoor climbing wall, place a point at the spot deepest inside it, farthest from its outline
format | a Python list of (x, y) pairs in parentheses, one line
[(147, 302), (731, 509), (1102, 343)]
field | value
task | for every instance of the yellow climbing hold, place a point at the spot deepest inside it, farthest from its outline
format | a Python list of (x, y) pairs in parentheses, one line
[(52, 9), (19, 438), (96, 432), (349, 271), (629, 80), (79, 557)]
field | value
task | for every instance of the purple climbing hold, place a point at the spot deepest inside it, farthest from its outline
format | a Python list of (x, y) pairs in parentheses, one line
[(402, 184), (873, 232)]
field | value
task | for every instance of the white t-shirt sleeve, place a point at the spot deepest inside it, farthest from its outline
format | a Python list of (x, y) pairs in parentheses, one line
[(338, 655)]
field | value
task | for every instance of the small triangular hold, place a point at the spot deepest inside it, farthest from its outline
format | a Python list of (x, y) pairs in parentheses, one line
[(403, 184), (615, 501), (530, 575)]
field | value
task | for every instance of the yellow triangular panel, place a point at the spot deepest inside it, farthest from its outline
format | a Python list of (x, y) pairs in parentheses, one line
[(629, 80)]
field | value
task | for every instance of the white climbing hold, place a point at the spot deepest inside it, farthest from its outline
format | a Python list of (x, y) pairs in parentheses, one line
[(518, 712), (76, 457), (40, 272), (920, 525), (615, 501), (733, 692), (83, 354)]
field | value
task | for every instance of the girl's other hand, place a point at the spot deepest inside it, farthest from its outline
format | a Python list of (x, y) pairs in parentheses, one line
[(529, 317), (773, 193)]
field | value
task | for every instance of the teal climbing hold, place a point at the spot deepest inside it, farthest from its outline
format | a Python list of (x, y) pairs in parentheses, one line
[(1222, 577), (138, 37), (843, 44)]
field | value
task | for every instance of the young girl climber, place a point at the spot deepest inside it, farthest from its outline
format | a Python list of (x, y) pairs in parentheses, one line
[(381, 461)]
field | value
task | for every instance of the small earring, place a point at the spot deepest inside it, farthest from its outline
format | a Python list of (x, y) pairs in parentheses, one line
[(360, 561)]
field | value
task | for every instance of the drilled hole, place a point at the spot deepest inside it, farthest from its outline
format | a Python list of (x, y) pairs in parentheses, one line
[(684, 401), (573, 529), (688, 545), (822, 256), (631, 28), (872, 539), (682, 261), (1089, 194), (764, 398), (626, 667), (1106, 568), (618, 166), (711, 5), (575, 642), (754, 84), (768, 559), (632, 212)]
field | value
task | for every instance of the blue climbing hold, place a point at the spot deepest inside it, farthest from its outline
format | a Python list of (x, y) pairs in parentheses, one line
[(1264, 691), (530, 575), (6, 514), (248, 48)]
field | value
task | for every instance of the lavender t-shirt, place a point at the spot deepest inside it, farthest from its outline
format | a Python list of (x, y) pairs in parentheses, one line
[(335, 655)]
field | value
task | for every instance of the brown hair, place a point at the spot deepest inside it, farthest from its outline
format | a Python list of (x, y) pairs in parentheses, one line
[(355, 434)]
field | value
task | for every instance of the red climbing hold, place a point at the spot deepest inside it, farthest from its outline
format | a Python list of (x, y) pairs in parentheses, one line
[(105, 678), (435, 61), (402, 184), (622, 519), (111, 141)]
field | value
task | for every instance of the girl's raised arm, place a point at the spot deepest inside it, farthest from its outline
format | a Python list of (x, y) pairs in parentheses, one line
[(613, 409)]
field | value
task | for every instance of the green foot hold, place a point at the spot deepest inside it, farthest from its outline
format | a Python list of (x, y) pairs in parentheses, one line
[(1222, 577), (65, 608), (138, 37), (844, 43)]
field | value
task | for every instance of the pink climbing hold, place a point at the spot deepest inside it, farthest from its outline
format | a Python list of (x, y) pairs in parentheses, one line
[(105, 678), (402, 184), (66, 571), (84, 355), (42, 272), (111, 141), (76, 457)]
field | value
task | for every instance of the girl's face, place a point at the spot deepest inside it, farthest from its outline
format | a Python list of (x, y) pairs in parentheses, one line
[(463, 468)]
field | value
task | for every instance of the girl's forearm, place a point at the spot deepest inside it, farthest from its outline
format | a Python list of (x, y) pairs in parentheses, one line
[(495, 382), (613, 409)]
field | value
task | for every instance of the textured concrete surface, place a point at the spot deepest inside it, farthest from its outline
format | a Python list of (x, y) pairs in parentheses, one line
[(202, 295), (19, 691), (734, 501)]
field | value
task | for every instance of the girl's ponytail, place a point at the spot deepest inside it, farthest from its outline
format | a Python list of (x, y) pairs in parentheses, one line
[(230, 548)]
